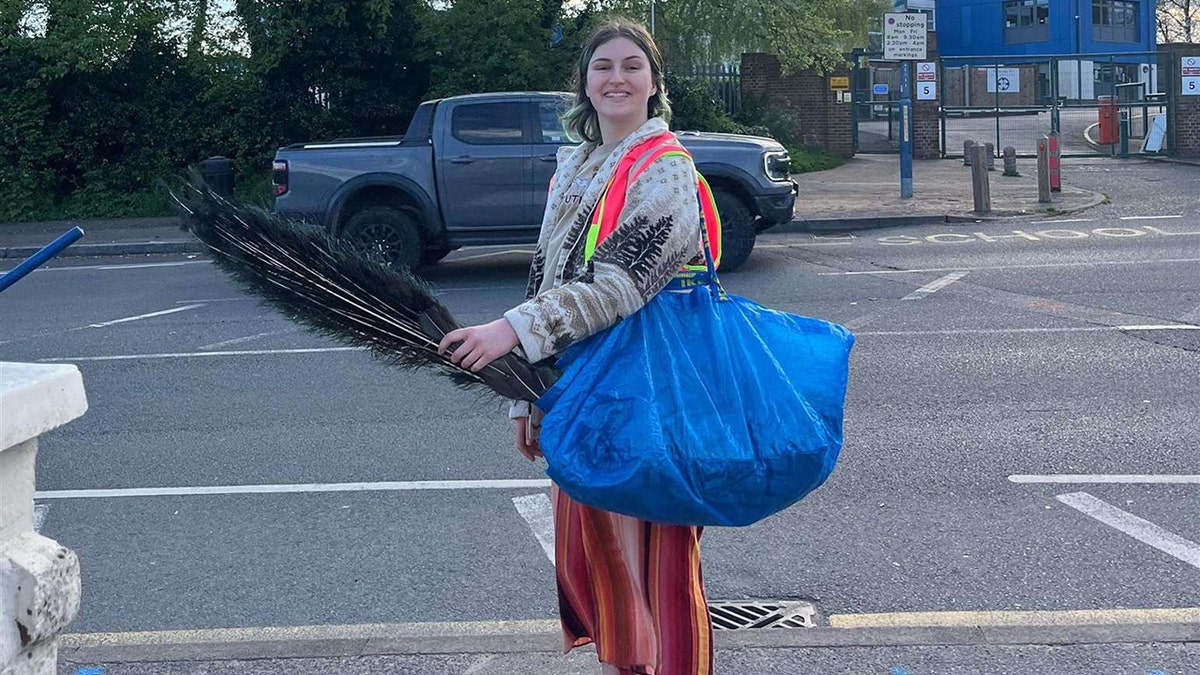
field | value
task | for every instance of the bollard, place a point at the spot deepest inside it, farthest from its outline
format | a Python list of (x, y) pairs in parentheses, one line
[(218, 173), (1043, 170), (980, 188), (1124, 134), (990, 156), (1010, 161), (967, 145), (1054, 160)]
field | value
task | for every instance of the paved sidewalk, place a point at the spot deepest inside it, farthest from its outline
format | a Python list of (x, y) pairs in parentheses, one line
[(862, 193)]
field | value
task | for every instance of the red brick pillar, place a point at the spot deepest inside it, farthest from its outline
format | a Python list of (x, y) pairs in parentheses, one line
[(927, 125), (1183, 115)]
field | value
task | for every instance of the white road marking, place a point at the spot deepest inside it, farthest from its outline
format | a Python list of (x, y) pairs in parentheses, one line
[(136, 266), (300, 488), (934, 286), (1163, 479), (494, 254), (1138, 528), (208, 300), (248, 338), (1149, 217), (39, 516), (187, 355), (494, 287), (1015, 267), (139, 317), (537, 511), (811, 243), (1064, 220)]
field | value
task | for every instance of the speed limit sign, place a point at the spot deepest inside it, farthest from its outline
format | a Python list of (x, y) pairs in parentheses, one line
[(926, 81), (1190, 69)]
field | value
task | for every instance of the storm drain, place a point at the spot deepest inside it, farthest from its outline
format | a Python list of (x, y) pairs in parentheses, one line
[(744, 614)]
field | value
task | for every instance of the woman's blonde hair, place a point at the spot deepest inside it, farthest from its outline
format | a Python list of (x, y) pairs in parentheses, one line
[(581, 120)]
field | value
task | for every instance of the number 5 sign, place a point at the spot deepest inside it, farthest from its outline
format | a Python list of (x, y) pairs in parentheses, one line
[(927, 81), (1190, 69)]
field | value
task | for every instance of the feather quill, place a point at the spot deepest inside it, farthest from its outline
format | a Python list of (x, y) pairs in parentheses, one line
[(326, 285)]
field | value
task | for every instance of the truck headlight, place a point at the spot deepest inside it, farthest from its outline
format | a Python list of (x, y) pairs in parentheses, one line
[(777, 165)]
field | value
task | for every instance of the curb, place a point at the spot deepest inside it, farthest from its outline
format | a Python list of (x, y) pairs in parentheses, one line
[(971, 217), (851, 224), (391, 640), (121, 248)]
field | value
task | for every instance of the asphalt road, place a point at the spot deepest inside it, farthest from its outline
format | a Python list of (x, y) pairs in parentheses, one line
[(985, 352)]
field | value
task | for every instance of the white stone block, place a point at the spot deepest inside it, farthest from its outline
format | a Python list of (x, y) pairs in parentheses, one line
[(35, 398)]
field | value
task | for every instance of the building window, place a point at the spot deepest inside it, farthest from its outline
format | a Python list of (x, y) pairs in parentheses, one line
[(1026, 21), (1115, 20)]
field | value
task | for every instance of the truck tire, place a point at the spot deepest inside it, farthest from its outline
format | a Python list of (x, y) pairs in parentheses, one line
[(737, 229), (389, 234)]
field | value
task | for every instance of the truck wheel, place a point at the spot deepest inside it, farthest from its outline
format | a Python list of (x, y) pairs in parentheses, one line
[(737, 230), (386, 233)]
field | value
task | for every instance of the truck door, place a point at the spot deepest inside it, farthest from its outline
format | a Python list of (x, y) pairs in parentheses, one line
[(549, 137), (484, 165)]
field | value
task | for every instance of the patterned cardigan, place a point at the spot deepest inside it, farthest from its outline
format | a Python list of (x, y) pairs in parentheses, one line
[(658, 232)]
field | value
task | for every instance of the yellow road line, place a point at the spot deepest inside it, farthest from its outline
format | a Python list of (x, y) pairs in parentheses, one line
[(1082, 617)]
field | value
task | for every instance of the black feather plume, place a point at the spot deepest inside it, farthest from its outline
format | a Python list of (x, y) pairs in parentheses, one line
[(326, 285)]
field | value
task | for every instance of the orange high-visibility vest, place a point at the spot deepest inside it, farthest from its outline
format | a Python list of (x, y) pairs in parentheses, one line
[(605, 218)]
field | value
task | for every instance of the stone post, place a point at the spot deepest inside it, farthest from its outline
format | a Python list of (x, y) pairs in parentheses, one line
[(39, 579)]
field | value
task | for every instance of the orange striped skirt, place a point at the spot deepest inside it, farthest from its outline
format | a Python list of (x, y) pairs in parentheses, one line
[(632, 587)]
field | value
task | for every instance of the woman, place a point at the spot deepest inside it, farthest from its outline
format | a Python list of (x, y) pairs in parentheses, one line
[(632, 587)]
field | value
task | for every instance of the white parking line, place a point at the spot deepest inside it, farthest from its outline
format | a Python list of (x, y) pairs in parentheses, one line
[(1149, 217), (188, 355), (1064, 220), (248, 338), (1017, 331), (934, 286), (494, 254), (139, 317), (301, 488), (1015, 267), (1138, 528), (136, 266), (1161, 479), (538, 512)]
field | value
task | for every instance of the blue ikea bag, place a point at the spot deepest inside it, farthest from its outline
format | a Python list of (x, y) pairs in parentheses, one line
[(700, 409)]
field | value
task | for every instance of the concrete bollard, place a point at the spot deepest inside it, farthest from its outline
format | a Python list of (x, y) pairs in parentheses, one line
[(980, 187), (967, 145), (990, 156), (39, 578), (1010, 161)]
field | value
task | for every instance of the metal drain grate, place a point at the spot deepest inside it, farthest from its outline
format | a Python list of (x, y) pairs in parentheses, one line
[(744, 614)]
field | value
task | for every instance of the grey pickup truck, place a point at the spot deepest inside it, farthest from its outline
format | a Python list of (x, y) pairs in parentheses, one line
[(474, 170)]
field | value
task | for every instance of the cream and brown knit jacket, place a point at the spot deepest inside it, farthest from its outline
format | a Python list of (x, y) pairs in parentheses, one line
[(569, 299)]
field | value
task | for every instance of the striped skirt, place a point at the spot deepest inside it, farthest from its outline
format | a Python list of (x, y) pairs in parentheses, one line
[(632, 587)]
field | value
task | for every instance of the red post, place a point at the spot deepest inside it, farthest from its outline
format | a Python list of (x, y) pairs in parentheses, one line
[(1108, 120), (1055, 153)]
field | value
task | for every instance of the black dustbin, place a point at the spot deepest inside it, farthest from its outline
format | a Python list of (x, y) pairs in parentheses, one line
[(218, 173)]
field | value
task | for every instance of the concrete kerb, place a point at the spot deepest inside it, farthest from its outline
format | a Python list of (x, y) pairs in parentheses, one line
[(972, 217), (109, 648)]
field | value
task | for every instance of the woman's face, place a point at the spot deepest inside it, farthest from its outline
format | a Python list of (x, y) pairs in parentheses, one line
[(619, 82)]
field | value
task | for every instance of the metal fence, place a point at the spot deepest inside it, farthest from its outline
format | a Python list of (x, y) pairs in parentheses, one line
[(725, 80), (1015, 100)]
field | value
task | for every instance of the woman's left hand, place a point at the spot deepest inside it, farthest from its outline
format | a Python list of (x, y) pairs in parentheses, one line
[(480, 345)]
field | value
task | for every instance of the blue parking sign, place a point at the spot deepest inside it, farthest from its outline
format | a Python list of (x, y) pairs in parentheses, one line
[(880, 89)]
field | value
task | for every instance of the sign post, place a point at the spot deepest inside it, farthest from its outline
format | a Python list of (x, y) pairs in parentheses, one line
[(905, 40)]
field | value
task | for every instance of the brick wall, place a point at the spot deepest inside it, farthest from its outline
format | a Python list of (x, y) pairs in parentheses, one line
[(820, 120), (1184, 113)]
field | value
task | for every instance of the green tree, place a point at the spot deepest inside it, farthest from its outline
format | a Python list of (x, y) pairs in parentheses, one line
[(501, 45), (802, 33)]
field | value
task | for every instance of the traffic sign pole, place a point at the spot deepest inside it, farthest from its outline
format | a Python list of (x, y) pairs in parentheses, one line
[(906, 131)]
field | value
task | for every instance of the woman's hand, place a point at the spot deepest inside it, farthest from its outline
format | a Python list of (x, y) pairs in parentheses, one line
[(480, 345), (527, 437)]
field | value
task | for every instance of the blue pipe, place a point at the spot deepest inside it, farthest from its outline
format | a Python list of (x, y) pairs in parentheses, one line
[(34, 261)]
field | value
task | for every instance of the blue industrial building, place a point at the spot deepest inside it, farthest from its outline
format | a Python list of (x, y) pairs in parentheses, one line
[(1099, 34)]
